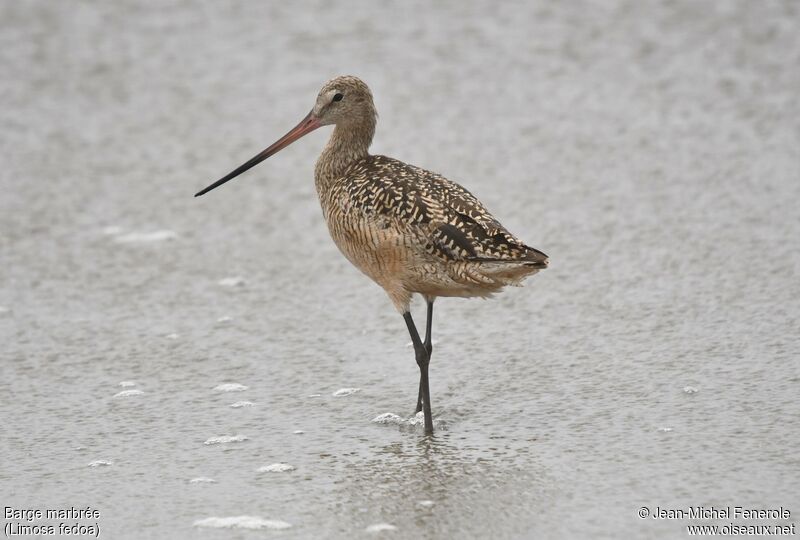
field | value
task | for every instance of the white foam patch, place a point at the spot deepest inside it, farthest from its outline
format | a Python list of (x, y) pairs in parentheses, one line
[(146, 238), (380, 527), (426, 503), (230, 387), (298, 432), (240, 404), (100, 463), (689, 389), (412, 421), (314, 395), (417, 420), (225, 439), (202, 480), (225, 320), (242, 522), (346, 392), (388, 418), (665, 429), (276, 467), (172, 336), (127, 384), (234, 281), (128, 393)]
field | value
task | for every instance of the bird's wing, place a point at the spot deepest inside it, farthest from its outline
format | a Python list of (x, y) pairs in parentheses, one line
[(447, 218)]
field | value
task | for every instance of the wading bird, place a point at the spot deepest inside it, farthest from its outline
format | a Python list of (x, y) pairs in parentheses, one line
[(410, 230)]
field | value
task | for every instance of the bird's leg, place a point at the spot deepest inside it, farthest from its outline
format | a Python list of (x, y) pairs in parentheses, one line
[(428, 347), (422, 361)]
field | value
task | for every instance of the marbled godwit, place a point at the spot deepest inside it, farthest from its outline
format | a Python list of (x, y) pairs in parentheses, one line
[(410, 230)]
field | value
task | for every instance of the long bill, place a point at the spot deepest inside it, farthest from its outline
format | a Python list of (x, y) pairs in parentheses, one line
[(306, 126)]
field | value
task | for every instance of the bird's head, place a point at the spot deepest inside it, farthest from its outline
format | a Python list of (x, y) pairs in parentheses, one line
[(343, 101)]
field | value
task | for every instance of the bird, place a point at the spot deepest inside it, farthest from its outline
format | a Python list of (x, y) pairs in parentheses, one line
[(410, 230)]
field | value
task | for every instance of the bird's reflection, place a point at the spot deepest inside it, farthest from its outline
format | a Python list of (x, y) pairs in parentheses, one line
[(426, 481)]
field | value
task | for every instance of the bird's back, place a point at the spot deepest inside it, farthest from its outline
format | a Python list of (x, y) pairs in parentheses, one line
[(409, 226)]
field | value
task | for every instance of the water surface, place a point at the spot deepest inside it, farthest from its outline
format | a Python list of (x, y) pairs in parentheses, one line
[(651, 149)]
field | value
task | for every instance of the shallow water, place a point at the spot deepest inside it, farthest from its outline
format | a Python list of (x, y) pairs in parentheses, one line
[(158, 350)]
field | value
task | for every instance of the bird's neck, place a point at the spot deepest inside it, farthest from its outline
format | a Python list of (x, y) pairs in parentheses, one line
[(348, 144)]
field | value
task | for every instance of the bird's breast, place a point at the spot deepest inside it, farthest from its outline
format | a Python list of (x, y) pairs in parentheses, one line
[(372, 243)]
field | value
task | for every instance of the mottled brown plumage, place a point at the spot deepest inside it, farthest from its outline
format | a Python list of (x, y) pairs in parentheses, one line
[(410, 230)]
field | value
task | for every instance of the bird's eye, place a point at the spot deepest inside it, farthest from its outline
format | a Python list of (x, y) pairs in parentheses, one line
[(338, 97)]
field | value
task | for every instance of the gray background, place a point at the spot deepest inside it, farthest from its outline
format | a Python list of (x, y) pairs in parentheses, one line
[(651, 149)]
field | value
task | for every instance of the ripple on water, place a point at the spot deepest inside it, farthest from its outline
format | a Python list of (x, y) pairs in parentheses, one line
[(346, 392), (128, 393), (276, 467), (230, 387), (225, 439), (100, 463), (241, 522), (127, 384), (380, 527)]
